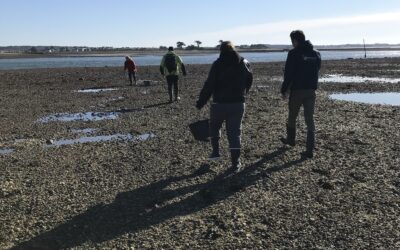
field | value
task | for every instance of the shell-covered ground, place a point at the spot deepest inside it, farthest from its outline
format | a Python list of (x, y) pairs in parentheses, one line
[(161, 193)]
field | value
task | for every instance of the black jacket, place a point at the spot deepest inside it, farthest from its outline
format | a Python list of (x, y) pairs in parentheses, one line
[(302, 68), (230, 78)]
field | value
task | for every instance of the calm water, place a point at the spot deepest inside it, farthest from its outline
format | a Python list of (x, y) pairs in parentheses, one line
[(389, 98), (96, 90), (67, 62), (101, 138), (87, 116), (6, 151), (356, 79)]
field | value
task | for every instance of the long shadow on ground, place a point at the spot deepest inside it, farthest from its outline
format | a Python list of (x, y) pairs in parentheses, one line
[(146, 206)]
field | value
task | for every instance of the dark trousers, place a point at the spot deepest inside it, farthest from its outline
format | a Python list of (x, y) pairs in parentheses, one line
[(132, 76), (232, 114), (305, 98), (172, 81)]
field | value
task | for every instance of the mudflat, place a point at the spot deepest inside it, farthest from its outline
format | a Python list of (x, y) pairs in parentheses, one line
[(138, 180)]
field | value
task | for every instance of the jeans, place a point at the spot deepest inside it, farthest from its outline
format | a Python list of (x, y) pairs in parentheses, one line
[(232, 114), (305, 98)]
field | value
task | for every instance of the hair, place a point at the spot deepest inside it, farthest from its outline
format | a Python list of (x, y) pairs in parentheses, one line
[(227, 46), (228, 53), (171, 48), (298, 35), (128, 58)]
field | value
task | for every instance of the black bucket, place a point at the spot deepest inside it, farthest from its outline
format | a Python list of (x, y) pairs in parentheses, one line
[(200, 130)]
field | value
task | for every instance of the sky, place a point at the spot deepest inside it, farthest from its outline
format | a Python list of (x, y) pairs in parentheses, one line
[(154, 23)]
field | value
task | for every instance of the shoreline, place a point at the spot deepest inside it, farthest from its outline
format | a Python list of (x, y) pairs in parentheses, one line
[(199, 65), (159, 53)]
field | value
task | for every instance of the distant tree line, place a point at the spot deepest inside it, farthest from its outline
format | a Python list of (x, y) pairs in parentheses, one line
[(196, 45)]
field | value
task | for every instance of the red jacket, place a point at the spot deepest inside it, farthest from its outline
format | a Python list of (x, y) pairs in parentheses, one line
[(130, 66)]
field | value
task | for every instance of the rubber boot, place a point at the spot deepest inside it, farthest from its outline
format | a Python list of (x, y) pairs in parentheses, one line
[(215, 150), (235, 159), (310, 145), (290, 137)]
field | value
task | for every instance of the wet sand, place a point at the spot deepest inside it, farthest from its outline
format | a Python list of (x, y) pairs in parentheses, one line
[(161, 193)]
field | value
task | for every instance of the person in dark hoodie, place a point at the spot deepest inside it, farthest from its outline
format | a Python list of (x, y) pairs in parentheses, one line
[(301, 79), (229, 80)]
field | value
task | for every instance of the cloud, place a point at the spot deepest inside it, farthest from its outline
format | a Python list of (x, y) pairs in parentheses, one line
[(348, 29)]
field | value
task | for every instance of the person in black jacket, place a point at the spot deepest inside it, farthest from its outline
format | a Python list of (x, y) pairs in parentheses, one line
[(301, 79), (229, 80)]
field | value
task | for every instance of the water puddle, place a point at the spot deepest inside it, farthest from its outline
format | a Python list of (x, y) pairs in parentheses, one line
[(101, 138), (6, 151), (84, 131), (356, 79), (86, 116), (96, 90), (120, 98), (388, 98), (144, 137)]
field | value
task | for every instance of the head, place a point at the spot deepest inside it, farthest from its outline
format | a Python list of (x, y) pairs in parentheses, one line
[(228, 53), (127, 58), (171, 48), (226, 47), (297, 37)]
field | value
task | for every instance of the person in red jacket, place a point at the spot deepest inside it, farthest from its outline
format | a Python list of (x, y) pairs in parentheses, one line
[(131, 67)]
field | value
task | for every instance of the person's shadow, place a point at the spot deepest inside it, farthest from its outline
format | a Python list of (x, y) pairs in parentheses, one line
[(150, 205)]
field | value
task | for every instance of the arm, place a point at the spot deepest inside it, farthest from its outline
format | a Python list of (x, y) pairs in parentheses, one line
[(134, 65), (125, 66), (208, 87), (162, 65), (183, 69), (249, 76), (289, 73), (181, 65), (319, 61)]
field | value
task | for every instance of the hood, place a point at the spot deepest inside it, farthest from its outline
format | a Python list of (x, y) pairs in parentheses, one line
[(307, 45), (229, 58)]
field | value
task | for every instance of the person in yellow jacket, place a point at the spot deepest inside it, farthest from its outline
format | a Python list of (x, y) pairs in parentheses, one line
[(170, 67)]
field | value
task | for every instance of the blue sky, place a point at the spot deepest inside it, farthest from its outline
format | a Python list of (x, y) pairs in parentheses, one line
[(149, 23)]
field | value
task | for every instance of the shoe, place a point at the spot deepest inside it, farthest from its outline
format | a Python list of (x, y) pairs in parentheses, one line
[(236, 168), (235, 159), (214, 157), (177, 99), (290, 137), (287, 142), (310, 145), (307, 155)]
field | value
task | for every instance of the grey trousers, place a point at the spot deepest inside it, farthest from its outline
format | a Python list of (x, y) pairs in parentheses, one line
[(305, 98), (232, 114)]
